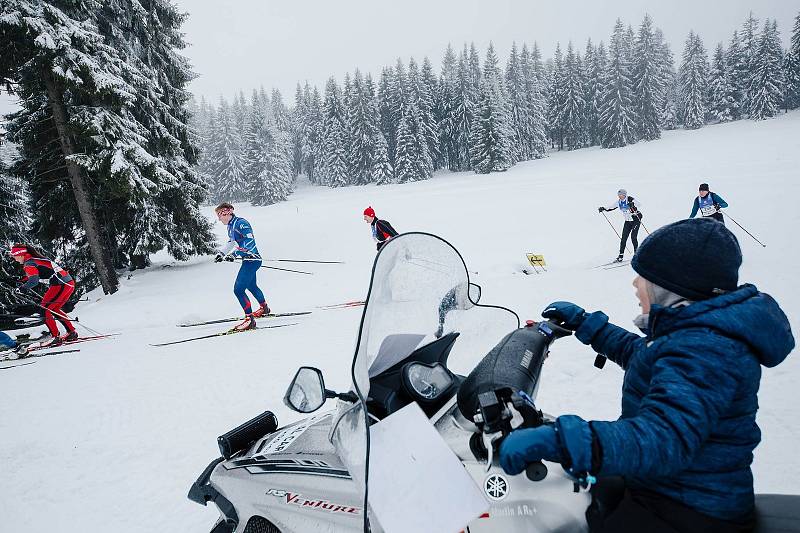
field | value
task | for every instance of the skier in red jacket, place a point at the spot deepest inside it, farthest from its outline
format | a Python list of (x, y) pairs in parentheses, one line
[(382, 231), (39, 269)]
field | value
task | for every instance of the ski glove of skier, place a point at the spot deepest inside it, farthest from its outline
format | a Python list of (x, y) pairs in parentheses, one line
[(601, 209), (525, 446), (571, 316)]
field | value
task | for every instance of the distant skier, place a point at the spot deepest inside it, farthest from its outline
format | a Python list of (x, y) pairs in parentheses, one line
[(678, 458), (382, 231), (242, 244), (633, 220), (708, 203), (39, 269)]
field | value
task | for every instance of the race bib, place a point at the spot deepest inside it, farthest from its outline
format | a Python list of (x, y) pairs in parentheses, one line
[(707, 211)]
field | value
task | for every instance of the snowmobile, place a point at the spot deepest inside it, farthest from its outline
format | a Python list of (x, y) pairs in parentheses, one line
[(421, 311)]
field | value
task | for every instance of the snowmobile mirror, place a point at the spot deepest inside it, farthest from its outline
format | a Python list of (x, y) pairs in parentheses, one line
[(474, 293), (306, 394)]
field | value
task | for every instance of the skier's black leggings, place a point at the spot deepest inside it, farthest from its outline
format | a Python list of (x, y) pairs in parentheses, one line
[(616, 508), (631, 228)]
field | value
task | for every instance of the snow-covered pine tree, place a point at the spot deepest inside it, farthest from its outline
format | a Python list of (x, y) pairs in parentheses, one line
[(333, 148), (465, 101), (419, 97), (431, 89), (312, 133), (749, 43), (490, 136), (694, 83), (617, 112), (721, 92), (448, 83), (273, 183), (387, 123), (572, 116), (382, 171), (648, 84), (298, 117), (536, 127), (739, 74), (362, 128), (15, 213), (518, 107), (767, 83), (555, 99), (792, 68), (225, 157), (409, 150), (668, 114), (594, 65)]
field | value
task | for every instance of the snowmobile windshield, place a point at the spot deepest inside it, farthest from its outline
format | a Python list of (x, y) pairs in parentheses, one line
[(420, 290)]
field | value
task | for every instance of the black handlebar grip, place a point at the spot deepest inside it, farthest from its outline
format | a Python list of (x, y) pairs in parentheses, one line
[(536, 471)]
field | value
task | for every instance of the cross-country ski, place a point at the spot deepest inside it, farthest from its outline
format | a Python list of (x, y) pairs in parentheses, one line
[(223, 334), (234, 319)]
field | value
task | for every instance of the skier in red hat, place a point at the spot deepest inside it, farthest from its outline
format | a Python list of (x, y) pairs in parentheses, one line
[(382, 231), (39, 269)]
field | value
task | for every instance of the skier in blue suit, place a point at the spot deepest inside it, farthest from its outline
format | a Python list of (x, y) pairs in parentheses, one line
[(6, 341), (242, 244), (684, 442), (708, 204)]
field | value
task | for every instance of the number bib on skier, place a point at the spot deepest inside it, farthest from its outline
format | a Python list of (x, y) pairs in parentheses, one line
[(707, 205)]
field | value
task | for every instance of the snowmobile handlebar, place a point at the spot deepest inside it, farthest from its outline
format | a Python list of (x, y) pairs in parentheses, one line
[(498, 394)]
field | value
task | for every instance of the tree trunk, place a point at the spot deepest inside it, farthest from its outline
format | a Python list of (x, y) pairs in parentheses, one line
[(102, 260)]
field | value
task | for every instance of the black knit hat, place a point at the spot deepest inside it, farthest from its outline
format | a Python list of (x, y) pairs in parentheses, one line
[(697, 258), (703, 187)]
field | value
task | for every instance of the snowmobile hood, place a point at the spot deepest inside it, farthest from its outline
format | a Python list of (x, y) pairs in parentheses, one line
[(746, 315)]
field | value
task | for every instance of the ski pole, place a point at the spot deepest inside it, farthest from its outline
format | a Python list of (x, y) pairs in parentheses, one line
[(759, 242), (615, 229), (293, 261), (274, 268), (60, 315)]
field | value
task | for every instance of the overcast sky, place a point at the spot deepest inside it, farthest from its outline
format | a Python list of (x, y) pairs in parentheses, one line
[(243, 44)]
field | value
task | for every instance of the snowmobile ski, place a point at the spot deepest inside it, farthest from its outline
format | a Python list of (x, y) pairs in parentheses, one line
[(223, 334), (237, 318)]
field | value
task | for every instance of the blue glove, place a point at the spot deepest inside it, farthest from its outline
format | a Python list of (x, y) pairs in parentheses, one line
[(570, 315), (525, 446)]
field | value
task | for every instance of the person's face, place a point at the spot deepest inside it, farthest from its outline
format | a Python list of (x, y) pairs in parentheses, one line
[(641, 293), (368, 219), (224, 218), (703, 194), (18, 258), (621, 196)]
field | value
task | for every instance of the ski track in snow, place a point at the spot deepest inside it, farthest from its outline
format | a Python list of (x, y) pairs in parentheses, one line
[(111, 438)]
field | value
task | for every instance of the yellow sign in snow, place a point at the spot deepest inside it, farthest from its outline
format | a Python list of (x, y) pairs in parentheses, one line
[(536, 260)]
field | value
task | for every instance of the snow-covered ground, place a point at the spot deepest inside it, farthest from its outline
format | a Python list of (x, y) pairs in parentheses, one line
[(109, 439)]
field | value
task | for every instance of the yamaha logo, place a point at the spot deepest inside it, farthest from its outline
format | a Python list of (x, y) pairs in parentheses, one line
[(496, 487)]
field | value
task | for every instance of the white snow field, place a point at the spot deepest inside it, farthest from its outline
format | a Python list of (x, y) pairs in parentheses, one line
[(110, 438)]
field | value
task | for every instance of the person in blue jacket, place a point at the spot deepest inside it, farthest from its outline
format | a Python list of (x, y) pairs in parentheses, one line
[(6, 341), (242, 244), (684, 442), (708, 204)]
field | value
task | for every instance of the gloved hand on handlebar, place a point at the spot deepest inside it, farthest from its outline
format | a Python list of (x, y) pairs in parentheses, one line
[(570, 315), (525, 446)]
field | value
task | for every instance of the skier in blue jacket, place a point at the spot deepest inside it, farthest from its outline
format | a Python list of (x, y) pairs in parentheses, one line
[(709, 204), (6, 341), (684, 441), (242, 244)]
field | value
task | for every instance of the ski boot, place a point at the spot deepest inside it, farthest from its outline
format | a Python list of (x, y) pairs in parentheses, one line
[(261, 311), (618, 259), (57, 341), (71, 336), (247, 324)]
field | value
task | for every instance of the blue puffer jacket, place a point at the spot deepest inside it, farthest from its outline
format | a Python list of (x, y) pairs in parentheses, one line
[(689, 399)]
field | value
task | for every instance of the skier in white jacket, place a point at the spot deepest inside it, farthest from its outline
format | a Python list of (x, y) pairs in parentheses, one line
[(631, 212)]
